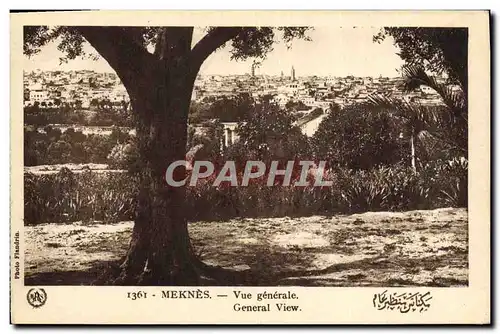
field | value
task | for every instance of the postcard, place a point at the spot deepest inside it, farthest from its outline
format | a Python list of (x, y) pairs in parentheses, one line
[(250, 167)]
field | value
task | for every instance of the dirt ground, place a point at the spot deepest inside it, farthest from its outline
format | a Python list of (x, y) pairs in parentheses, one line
[(416, 248)]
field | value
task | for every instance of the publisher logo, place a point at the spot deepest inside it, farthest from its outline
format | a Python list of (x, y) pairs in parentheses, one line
[(36, 297)]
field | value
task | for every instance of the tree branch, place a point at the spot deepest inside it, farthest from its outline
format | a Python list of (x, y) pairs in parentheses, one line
[(119, 47), (211, 42)]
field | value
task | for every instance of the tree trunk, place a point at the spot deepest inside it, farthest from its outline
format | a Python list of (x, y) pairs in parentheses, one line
[(160, 251), (159, 86), (413, 159)]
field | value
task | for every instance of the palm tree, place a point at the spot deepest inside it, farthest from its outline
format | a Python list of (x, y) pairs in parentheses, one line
[(454, 99), (416, 119), (447, 123)]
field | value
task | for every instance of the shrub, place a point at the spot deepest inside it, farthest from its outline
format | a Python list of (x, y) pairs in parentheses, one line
[(123, 155), (67, 115), (110, 197), (87, 196), (51, 146), (451, 176), (359, 137)]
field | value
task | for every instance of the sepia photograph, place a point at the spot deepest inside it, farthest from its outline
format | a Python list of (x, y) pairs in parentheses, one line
[(100, 132), (301, 155)]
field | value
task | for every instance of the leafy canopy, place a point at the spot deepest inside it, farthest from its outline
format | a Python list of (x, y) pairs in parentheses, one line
[(270, 134), (245, 42), (359, 136), (438, 50), (429, 51)]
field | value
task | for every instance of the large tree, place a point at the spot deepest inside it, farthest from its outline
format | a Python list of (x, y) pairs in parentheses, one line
[(270, 134), (358, 136), (427, 52), (158, 67)]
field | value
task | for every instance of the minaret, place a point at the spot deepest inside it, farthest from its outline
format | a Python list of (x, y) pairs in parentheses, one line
[(293, 74), (255, 64)]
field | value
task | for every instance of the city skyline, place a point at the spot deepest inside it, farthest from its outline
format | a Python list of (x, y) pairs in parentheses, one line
[(333, 52)]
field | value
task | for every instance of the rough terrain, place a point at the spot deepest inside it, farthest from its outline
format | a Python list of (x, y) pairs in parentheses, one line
[(417, 248)]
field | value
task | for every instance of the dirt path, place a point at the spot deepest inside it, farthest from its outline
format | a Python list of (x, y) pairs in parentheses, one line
[(371, 249)]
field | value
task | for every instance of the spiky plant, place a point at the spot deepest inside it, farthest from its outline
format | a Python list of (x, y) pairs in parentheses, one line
[(445, 124)]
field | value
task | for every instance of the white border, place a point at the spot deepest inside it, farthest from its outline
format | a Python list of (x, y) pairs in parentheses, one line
[(257, 4)]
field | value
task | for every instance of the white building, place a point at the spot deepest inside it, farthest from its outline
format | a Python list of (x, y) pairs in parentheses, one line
[(292, 88), (308, 101), (38, 95), (85, 104), (426, 90), (281, 99), (230, 134), (330, 81)]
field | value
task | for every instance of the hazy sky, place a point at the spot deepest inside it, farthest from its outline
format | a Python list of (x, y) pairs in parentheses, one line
[(332, 51)]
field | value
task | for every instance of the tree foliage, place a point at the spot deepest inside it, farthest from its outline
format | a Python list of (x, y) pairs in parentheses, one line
[(269, 134), (225, 109), (52, 146), (438, 50), (207, 145), (245, 42), (359, 137), (429, 52)]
